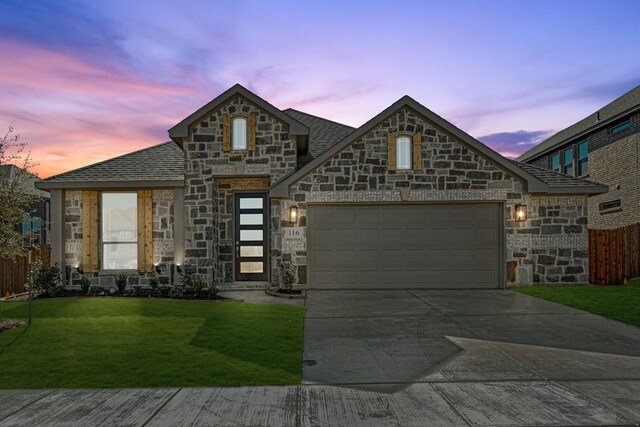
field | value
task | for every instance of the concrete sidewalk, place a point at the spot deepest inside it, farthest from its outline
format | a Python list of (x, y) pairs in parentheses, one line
[(531, 402)]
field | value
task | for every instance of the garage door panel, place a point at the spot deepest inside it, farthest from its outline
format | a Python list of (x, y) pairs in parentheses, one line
[(405, 246)]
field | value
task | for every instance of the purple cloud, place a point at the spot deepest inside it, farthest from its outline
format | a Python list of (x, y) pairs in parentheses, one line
[(512, 144)]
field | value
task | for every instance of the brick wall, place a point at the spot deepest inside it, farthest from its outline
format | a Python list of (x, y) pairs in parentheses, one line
[(618, 166)]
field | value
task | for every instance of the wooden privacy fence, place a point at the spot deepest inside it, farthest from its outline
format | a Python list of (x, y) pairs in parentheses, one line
[(614, 255), (14, 273)]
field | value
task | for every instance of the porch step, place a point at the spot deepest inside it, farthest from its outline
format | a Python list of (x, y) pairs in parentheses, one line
[(243, 286)]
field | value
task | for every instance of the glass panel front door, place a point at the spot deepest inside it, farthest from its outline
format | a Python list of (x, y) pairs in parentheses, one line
[(250, 236)]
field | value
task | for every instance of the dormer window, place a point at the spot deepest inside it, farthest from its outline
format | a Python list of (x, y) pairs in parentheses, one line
[(403, 153), (239, 133)]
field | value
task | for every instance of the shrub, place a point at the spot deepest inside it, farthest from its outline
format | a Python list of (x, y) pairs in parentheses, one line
[(212, 290), (136, 291), (84, 284), (121, 282), (163, 291), (198, 285), (46, 280), (154, 282), (175, 292), (287, 275), (187, 276)]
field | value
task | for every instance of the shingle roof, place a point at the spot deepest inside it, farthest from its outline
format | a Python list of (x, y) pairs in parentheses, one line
[(556, 179), (626, 103), (161, 162), (323, 133), (26, 179)]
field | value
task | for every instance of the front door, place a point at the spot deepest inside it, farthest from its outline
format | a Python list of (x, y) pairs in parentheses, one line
[(251, 236)]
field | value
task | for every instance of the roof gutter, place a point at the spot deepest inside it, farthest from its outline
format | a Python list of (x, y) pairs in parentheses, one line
[(50, 185)]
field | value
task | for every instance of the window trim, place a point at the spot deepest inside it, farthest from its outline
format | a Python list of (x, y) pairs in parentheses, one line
[(102, 243), (246, 132), (410, 144)]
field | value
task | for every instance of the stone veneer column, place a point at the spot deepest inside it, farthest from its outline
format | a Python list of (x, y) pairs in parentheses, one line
[(57, 232)]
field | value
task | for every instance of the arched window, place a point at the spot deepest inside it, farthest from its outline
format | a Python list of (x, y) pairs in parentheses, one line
[(239, 133), (403, 153)]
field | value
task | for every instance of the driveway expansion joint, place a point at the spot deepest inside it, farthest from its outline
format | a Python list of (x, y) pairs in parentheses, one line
[(157, 411), (28, 404)]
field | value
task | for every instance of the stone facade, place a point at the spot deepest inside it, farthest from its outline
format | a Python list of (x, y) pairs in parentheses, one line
[(163, 240), (618, 166), (536, 248), (208, 195)]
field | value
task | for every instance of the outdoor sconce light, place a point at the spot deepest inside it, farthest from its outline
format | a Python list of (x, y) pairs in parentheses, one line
[(79, 268), (293, 214), (520, 212), (158, 268), (178, 268)]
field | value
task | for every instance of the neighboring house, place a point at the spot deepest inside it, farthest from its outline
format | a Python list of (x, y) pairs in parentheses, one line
[(604, 147), (34, 227), (406, 200)]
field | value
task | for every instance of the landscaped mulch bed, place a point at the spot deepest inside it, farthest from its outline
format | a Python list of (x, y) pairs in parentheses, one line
[(5, 325)]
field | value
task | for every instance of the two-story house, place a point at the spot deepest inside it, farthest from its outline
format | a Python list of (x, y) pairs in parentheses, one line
[(603, 147)]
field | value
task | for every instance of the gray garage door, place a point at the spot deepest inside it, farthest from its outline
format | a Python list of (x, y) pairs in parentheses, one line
[(407, 246)]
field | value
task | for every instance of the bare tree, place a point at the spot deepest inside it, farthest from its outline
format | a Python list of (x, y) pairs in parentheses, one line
[(16, 194)]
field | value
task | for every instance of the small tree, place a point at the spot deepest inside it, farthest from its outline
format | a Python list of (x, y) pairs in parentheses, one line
[(15, 201), (287, 275)]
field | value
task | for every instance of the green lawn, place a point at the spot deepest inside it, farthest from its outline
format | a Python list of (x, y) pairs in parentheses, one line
[(615, 302), (135, 342)]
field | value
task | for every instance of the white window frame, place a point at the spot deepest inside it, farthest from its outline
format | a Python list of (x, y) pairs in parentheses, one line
[(104, 243), (401, 166), (239, 140)]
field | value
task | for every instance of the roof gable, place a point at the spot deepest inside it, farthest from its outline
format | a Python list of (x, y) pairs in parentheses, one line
[(531, 183), (181, 130)]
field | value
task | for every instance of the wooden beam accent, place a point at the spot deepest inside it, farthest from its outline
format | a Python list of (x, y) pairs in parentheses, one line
[(417, 151), (391, 152)]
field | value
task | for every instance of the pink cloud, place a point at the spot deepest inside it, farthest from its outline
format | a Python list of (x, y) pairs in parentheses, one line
[(74, 113)]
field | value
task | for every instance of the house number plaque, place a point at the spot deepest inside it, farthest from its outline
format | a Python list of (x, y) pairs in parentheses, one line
[(294, 233)]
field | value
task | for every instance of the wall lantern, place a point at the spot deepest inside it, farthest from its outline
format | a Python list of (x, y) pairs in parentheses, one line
[(79, 268), (520, 213), (178, 268), (157, 268), (293, 214)]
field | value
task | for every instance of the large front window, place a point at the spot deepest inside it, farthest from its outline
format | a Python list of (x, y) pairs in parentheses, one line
[(119, 231)]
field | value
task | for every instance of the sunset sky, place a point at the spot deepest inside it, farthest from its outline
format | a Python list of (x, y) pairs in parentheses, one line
[(82, 81)]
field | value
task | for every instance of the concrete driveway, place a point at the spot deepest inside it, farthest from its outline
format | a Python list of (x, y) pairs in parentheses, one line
[(481, 357)]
